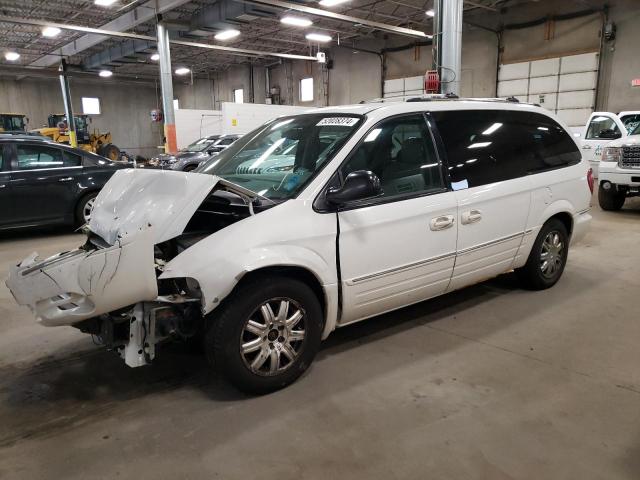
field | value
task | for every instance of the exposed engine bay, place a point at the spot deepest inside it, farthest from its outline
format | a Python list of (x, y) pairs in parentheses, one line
[(112, 290)]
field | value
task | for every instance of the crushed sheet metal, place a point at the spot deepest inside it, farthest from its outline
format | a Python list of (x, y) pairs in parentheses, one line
[(77, 285), (137, 198)]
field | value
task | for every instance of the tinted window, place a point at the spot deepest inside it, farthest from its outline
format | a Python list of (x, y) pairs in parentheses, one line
[(400, 152), (486, 146), (602, 127), (71, 159), (35, 156)]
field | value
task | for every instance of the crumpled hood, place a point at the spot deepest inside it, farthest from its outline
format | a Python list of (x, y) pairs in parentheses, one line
[(135, 199)]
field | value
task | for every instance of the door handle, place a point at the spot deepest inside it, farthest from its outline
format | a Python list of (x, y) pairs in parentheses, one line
[(471, 216), (66, 179), (586, 147), (442, 222)]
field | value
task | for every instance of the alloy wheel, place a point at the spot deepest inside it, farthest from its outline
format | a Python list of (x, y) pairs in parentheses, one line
[(272, 337), (86, 211), (551, 255)]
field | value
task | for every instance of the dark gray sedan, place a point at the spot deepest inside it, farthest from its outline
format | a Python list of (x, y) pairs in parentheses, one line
[(46, 183), (190, 157)]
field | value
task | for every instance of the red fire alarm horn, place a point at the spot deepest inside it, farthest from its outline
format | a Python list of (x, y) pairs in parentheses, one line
[(431, 81)]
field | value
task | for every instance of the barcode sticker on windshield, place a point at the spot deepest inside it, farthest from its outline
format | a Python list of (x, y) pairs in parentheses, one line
[(338, 121)]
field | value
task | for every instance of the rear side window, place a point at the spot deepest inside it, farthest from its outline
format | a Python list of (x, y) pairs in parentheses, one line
[(486, 146), (71, 159)]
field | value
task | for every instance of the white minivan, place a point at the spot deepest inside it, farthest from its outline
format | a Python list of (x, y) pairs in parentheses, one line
[(313, 222)]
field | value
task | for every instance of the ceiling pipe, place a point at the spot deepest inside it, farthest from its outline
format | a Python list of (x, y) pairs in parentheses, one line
[(243, 52), (338, 16)]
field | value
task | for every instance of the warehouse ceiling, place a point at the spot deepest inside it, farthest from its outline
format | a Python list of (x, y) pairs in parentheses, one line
[(258, 32)]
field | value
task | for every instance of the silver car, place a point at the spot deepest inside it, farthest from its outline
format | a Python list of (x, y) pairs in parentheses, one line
[(190, 157)]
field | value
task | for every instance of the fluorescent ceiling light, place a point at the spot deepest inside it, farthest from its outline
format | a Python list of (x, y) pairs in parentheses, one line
[(155, 57), (105, 73), (226, 34), (182, 71), (12, 56), (296, 21), (479, 145), (318, 37), (50, 32), (492, 129), (430, 12), (104, 3), (332, 3)]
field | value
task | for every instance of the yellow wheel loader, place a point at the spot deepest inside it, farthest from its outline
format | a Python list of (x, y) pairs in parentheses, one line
[(13, 122), (58, 130)]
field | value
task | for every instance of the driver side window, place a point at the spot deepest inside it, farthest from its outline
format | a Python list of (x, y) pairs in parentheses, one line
[(602, 128), (401, 153)]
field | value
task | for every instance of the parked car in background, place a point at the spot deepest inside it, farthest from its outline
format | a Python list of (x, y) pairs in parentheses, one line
[(602, 128), (189, 158), (620, 171), (381, 206), (47, 183)]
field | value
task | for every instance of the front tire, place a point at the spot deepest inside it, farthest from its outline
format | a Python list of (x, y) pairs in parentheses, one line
[(83, 209), (266, 334), (610, 200), (548, 257)]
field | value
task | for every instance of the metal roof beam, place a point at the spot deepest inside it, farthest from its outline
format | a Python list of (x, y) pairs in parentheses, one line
[(408, 32), (243, 52), (138, 15)]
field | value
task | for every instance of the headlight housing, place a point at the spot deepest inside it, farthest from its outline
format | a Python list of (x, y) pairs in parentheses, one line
[(611, 154)]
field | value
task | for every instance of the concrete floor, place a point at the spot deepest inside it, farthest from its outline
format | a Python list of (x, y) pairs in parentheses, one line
[(490, 382)]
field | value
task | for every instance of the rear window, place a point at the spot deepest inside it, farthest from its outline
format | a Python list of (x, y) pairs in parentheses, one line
[(486, 146)]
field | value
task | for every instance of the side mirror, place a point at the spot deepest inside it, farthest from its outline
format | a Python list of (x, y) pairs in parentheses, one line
[(610, 134), (358, 185)]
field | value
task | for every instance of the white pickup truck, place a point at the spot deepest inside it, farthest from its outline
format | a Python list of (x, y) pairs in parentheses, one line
[(601, 129)]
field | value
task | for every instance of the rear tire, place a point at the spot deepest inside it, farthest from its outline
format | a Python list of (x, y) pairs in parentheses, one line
[(83, 209), (548, 257), (266, 334), (109, 151), (610, 200)]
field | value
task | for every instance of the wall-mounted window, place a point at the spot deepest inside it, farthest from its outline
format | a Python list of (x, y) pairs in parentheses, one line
[(176, 104), (91, 106), (238, 95), (306, 90)]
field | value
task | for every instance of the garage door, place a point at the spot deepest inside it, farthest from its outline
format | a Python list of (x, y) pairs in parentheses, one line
[(400, 89), (565, 85)]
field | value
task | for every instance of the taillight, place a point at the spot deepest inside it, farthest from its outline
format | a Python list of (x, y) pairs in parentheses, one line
[(590, 180)]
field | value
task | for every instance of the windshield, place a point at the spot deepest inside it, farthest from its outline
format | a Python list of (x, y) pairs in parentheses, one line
[(200, 145), (279, 158), (636, 130)]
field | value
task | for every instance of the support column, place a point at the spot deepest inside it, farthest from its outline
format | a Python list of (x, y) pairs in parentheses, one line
[(166, 88), (68, 109), (451, 45)]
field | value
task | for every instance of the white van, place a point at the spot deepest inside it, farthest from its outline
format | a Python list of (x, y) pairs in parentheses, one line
[(313, 222)]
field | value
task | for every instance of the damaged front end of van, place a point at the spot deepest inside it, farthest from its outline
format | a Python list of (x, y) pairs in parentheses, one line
[(119, 285)]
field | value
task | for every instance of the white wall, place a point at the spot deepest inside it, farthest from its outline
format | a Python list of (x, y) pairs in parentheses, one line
[(192, 125), (241, 118)]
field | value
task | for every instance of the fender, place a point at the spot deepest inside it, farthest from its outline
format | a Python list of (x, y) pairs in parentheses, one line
[(534, 224), (219, 276)]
